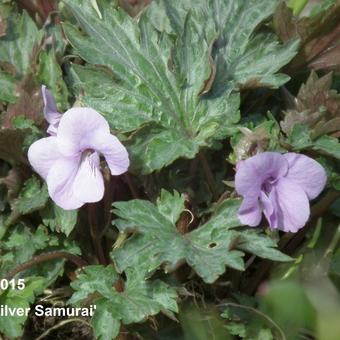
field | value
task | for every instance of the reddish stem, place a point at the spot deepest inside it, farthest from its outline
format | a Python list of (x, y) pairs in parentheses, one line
[(78, 261)]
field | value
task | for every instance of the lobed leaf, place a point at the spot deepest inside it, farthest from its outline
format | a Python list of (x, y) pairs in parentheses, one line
[(17, 47), (208, 249), (138, 299), (173, 86), (32, 197), (59, 219)]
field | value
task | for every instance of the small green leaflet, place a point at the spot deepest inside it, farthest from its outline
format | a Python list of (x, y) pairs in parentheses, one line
[(157, 84), (17, 47), (243, 59), (58, 219), (32, 197), (208, 249), (21, 245), (139, 299), (7, 85)]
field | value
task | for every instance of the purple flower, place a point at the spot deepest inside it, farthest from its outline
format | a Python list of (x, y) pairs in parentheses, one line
[(69, 161), (50, 111), (280, 186)]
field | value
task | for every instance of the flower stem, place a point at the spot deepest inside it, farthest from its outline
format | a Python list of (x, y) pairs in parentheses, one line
[(208, 174), (131, 186), (335, 240), (96, 235), (78, 261)]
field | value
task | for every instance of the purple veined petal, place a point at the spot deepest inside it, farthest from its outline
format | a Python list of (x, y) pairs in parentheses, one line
[(113, 150), (42, 155), (50, 110), (291, 205), (60, 182), (307, 173), (252, 172), (89, 183), (250, 212), (76, 128), (268, 209)]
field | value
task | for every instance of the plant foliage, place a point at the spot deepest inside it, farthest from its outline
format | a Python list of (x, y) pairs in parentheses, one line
[(190, 88)]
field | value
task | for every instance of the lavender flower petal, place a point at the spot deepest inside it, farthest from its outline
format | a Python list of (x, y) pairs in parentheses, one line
[(280, 186), (250, 212), (89, 183), (307, 173), (113, 150), (42, 154), (60, 182), (50, 111), (77, 127), (291, 205)]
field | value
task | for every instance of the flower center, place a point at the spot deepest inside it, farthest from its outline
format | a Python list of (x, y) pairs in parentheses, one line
[(87, 152), (267, 185)]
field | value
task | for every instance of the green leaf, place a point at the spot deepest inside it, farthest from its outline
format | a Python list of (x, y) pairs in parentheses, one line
[(300, 139), (171, 206), (328, 145), (94, 279), (7, 85), (257, 69), (244, 58), (101, 93), (104, 324), (59, 219), (208, 249), (139, 299), (322, 6), (26, 124), (252, 241), (155, 89), (32, 197), (297, 5), (159, 83), (17, 47), (21, 245), (236, 328), (12, 326)]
